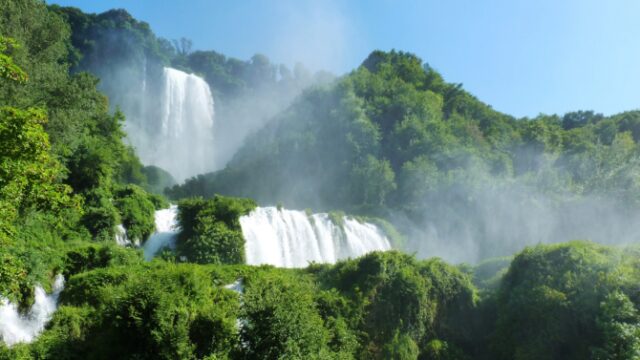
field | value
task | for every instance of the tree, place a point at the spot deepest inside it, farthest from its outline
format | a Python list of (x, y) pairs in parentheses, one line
[(373, 181), (29, 175), (182, 46), (8, 69), (402, 347), (620, 324)]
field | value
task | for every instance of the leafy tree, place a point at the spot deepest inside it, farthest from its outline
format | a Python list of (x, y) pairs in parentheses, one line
[(620, 325), (551, 296), (281, 321), (137, 212), (402, 347), (373, 180), (210, 230), (8, 69)]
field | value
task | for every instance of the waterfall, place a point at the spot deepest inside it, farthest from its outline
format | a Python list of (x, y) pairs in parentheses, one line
[(165, 234), (18, 328), (236, 287), (175, 131), (288, 238), (122, 238)]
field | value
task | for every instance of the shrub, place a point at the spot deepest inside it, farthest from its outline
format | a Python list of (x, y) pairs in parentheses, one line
[(137, 211), (211, 231)]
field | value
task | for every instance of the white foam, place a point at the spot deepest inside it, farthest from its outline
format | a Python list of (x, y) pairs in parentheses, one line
[(24, 328), (288, 238), (165, 234)]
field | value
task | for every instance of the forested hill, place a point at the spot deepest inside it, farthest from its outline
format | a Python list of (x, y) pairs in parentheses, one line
[(393, 139), (105, 43), (393, 130), (345, 145), (66, 176), (127, 57)]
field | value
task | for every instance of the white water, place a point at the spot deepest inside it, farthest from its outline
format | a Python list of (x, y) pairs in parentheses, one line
[(236, 286), (165, 234), (177, 135), (288, 238), (122, 238), (18, 328)]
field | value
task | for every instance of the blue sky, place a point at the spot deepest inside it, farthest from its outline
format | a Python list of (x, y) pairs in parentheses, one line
[(523, 57)]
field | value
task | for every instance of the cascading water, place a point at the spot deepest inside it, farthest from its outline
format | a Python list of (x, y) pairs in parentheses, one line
[(176, 135), (122, 238), (236, 286), (288, 238), (165, 234), (18, 328)]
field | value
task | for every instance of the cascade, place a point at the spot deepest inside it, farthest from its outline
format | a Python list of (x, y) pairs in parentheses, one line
[(19, 328), (236, 286), (165, 234), (175, 131), (121, 236), (288, 238), (122, 239)]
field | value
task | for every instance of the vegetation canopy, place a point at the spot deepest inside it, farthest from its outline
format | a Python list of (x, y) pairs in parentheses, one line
[(391, 143)]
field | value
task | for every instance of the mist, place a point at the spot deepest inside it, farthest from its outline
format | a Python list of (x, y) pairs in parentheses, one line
[(184, 124), (468, 225), (310, 140), (186, 111)]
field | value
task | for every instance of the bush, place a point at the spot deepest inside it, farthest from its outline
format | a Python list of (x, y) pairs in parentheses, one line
[(100, 215), (143, 311), (281, 320), (89, 257), (402, 347), (552, 297), (211, 231), (137, 211)]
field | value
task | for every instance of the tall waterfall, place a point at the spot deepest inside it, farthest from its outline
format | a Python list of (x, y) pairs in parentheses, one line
[(175, 132), (16, 327), (288, 238), (165, 234)]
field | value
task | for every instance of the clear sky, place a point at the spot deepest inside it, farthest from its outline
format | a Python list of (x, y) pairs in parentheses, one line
[(523, 57)]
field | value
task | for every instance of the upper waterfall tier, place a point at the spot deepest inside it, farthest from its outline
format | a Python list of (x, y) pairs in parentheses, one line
[(175, 130)]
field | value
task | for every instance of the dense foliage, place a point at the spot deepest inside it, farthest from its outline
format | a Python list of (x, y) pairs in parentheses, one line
[(393, 139), (129, 59), (162, 310), (569, 301), (393, 132), (210, 230), (391, 136), (63, 162)]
